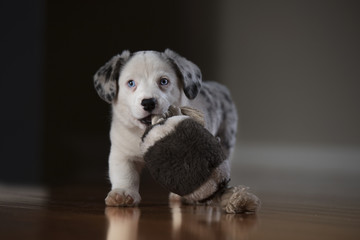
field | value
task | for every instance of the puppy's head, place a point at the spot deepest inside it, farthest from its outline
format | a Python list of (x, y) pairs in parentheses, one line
[(145, 83)]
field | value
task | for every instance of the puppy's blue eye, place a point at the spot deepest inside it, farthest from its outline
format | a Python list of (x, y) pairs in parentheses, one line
[(164, 81), (131, 83)]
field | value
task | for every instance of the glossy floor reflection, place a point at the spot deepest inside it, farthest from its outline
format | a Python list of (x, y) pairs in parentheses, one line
[(314, 201), (78, 212), (178, 222)]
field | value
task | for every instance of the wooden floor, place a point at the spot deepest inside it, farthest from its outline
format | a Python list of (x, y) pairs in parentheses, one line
[(306, 194), (78, 212)]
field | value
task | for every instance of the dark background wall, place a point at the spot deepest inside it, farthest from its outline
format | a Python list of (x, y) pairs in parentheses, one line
[(292, 67), (55, 127), (21, 83)]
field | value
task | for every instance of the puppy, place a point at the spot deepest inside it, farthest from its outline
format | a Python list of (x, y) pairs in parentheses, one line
[(144, 84)]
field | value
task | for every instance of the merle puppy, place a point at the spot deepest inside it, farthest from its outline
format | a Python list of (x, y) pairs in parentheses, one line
[(143, 84)]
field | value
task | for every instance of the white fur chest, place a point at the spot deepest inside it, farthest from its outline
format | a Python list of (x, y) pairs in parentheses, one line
[(126, 140)]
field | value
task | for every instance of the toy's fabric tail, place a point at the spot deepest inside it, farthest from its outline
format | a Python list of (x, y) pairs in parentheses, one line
[(239, 200)]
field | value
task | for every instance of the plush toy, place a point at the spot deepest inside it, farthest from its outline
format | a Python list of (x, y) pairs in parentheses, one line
[(188, 160)]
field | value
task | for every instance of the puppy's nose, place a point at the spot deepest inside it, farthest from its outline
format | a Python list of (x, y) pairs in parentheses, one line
[(149, 104)]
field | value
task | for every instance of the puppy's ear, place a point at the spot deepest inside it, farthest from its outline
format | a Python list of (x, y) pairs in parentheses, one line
[(105, 79), (189, 72)]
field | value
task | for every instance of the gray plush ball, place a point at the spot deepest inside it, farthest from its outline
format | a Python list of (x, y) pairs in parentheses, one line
[(182, 155), (188, 160)]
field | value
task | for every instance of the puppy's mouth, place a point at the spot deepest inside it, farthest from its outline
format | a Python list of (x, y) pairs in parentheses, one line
[(146, 120)]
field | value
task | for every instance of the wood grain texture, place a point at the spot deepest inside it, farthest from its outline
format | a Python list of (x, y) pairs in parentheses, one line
[(79, 212)]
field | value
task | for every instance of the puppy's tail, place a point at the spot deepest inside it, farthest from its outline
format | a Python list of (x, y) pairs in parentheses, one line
[(239, 200)]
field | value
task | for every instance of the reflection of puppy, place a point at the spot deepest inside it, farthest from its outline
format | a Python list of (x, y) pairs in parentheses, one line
[(208, 222), (123, 223), (188, 160), (144, 84), (179, 222)]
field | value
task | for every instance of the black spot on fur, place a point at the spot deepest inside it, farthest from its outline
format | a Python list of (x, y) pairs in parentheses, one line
[(109, 96), (117, 68), (184, 159), (226, 145), (191, 91), (189, 75), (198, 84), (227, 98), (198, 75), (205, 93), (98, 86), (108, 72)]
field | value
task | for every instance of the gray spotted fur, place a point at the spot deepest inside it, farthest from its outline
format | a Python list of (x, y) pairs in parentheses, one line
[(105, 79), (220, 113)]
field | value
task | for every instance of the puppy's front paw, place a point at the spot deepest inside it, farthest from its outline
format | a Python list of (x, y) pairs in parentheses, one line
[(173, 197), (122, 198)]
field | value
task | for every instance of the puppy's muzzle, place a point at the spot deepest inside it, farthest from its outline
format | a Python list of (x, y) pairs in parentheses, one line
[(149, 104)]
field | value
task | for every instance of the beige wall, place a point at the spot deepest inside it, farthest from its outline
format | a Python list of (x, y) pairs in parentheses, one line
[(293, 69)]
